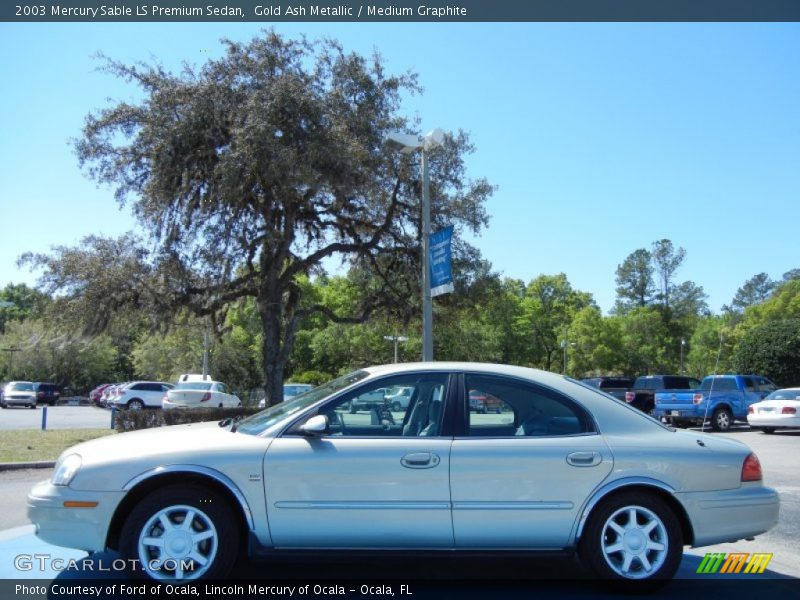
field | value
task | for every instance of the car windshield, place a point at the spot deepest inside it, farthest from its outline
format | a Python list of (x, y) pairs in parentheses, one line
[(22, 387), (784, 395), (194, 385), (269, 417)]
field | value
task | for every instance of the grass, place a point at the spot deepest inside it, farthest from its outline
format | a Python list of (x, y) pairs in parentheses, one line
[(34, 445)]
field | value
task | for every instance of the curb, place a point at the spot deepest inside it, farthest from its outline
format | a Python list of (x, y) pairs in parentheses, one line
[(18, 466)]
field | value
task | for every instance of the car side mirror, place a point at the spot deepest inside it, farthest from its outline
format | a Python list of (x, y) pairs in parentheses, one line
[(316, 425)]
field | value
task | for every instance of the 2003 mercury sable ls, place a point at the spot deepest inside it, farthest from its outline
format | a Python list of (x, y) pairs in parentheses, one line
[(559, 466)]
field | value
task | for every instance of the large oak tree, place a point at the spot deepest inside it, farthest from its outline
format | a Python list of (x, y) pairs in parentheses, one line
[(248, 173)]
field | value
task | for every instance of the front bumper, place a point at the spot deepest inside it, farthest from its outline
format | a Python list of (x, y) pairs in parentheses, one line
[(730, 515), (82, 528), (19, 400)]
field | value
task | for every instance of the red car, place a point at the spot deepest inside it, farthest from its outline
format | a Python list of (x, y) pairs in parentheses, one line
[(483, 403)]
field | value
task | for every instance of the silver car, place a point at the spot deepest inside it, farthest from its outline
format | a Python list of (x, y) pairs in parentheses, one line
[(560, 467), (19, 393)]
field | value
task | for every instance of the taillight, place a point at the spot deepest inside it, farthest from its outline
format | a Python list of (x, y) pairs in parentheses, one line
[(751, 469), (206, 397), (697, 398), (629, 396), (789, 410), (750, 410)]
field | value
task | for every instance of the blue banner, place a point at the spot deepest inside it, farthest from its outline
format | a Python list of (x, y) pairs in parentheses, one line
[(440, 262)]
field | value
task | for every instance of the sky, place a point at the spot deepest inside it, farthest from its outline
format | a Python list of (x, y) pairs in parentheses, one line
[(601, 138)]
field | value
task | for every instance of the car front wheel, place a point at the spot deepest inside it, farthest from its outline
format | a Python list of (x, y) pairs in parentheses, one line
[(181, 534), (768, 429), (633, 541), (135, 404)]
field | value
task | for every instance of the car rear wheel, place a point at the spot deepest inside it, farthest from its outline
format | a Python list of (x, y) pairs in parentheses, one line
[(135, 404), (722, 419), (181, 533), (768, 429), (633, 541)]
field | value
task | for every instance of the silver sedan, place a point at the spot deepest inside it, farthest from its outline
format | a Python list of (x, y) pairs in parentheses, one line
[(561, 466)]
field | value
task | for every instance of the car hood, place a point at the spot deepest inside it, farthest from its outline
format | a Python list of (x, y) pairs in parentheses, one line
[(110, 462)]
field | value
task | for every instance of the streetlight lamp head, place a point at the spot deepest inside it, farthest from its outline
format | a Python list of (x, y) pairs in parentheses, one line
[(433, 138), (404, 142)]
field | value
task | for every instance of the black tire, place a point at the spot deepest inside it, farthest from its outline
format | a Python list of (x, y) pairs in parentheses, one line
[(213, 518), (722, 419), (32, 406), (768, 429), (135, 404), (663, 543)]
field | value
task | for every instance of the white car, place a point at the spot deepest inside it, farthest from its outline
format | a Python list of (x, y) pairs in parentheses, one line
[(19, 393), (779, 410), (399, 398), (137, 395), (290, 390), (562, 467), (200, 394)]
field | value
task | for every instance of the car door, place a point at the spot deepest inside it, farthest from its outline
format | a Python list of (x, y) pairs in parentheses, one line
[(520, 476), (376, 479)]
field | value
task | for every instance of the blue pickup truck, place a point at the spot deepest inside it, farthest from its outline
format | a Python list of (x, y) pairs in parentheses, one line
[(721, 399)]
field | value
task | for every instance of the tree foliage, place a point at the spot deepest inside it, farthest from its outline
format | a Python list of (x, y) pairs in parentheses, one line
[(773, 350), (252, 170), (635, 283)]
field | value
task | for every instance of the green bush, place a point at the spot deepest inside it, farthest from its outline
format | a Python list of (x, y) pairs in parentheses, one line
[(131, 420), (772, 350)]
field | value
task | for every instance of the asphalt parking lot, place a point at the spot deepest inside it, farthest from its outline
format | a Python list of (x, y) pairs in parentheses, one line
[(58, 417)]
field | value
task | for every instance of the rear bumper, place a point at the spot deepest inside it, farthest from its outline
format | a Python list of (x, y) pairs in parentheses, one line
[(773, 420), (680, 411), (731, 515)]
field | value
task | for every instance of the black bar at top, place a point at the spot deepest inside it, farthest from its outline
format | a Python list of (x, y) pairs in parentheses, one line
[(267, 12)]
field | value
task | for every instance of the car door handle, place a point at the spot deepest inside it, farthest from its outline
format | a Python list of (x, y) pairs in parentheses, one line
[(584, 459), (420, 460)]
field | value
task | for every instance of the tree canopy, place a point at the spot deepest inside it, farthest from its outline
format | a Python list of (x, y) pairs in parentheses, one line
[(248, 173)]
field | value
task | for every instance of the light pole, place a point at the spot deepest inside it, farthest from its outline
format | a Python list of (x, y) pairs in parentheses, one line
[(683, 343), (11, 359), (407, 143), (4, 304), (395, 338)]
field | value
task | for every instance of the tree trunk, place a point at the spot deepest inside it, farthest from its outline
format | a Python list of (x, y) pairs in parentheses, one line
[(269, 309)]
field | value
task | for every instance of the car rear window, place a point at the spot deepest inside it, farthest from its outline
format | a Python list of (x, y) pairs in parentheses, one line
[(719, 384), (194, 385)]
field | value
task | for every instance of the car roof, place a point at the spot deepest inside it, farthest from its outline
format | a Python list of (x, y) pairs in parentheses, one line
[(465, 367)]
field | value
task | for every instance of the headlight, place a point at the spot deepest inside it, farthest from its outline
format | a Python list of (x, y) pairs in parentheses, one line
[(66, 469)]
